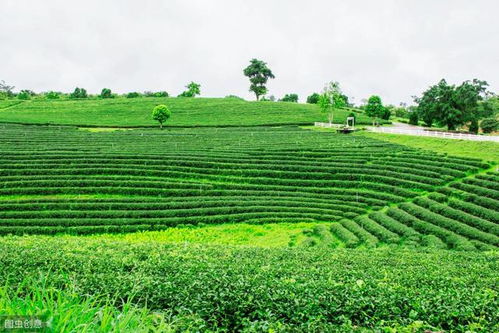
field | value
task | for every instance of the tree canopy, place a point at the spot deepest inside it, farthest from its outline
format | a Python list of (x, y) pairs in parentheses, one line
[(161, 113), (375, 108), (258, 74), (313, 99), (193, 89), (451, 105)]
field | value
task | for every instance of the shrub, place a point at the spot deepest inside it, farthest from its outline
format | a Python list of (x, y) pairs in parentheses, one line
[(24, 95), (473, 128), (313, 99), (385, 114), (133, 95), (106, 93), (290, 98), (489, 125), (155, 94), (413, 118), (234, 97), (52, 95), (78, 93)]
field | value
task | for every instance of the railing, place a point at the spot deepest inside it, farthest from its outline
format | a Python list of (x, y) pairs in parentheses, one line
[(446, 135), (327, 125)]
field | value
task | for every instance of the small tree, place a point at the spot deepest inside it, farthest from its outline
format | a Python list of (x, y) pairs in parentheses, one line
[(193, 89), (313, 99), (330, 99), (325, 106), (160, 94), (161, 113), (374, 108), (78, 93), (258, 74), (290, 98), (106, 93)]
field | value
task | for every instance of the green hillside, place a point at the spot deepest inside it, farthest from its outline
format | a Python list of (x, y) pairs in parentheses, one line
[(136, 112)]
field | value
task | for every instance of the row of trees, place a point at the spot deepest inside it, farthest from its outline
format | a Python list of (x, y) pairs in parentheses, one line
[(455, 106), (6, 91)]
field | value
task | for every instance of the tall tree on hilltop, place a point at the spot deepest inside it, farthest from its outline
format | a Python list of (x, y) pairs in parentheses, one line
[(258, 74)]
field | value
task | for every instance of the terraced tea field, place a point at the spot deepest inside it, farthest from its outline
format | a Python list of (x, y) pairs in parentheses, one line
[(66, 180)]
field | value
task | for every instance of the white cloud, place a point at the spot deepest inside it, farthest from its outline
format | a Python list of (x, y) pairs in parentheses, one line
[(391, 48)]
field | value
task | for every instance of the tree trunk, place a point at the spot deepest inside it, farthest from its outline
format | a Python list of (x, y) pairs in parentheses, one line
[(161, 125)]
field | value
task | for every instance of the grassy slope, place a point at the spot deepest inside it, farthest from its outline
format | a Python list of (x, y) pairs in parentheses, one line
[(186, 112), (265, 235), (488, 151)]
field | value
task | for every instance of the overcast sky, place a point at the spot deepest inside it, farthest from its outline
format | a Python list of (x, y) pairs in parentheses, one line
[(392, 48)]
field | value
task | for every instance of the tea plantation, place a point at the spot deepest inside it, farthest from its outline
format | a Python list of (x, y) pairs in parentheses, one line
[(392, 238)]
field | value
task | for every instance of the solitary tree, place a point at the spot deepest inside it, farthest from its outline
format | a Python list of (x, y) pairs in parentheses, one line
[(161, 113), (193, 89), (258, 74), (374, 108), (330, 99)]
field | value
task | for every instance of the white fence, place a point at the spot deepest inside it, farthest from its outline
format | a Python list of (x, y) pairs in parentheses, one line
[(327, 125), (446, 135)]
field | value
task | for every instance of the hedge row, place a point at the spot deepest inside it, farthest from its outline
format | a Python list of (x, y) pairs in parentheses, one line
[(345, 235), (367, 239), (377, 230), (395, 226), (458, 215), (449, 224), (452, 239), (479, 211)]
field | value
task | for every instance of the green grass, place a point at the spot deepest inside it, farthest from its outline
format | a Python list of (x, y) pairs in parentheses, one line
[(198, 287), (266, 235), (484, 150), (64, 310), (185, 112)]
